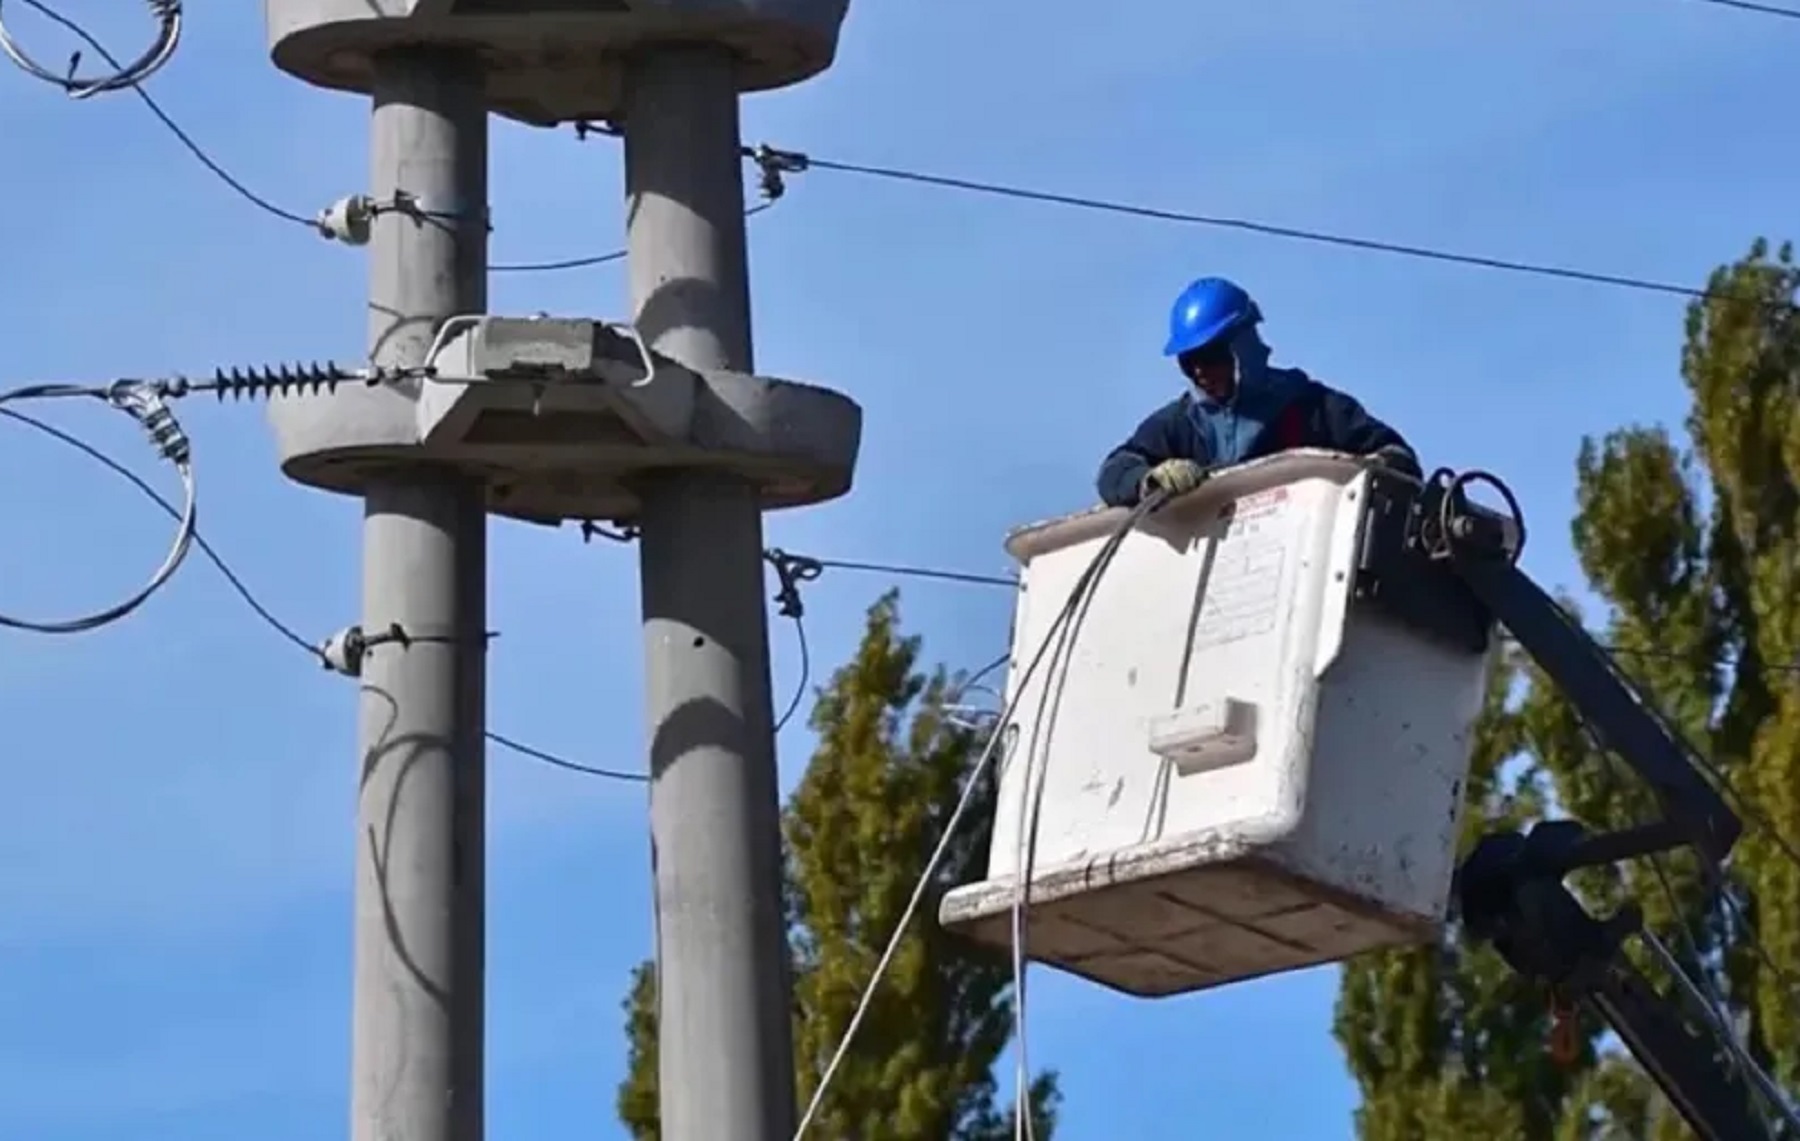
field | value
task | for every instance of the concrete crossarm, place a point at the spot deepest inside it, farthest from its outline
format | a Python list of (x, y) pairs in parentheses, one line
[(562, 415)]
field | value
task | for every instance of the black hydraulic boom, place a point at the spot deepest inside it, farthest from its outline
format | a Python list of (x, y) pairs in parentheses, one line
[(1444, 564)]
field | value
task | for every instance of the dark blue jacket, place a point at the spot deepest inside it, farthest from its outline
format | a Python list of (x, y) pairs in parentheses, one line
[(1288, 409)]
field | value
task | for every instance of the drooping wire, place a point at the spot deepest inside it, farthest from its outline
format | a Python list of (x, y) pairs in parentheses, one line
[(284, 630), (972, 783), (790, 572), (1031, 796), (142, 403), (793, 705), (166, 13), (1698, 989), (551, 266), (594, 260), (552, 759), (174, 128)]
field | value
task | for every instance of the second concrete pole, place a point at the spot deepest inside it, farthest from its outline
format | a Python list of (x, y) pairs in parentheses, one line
[(726, 1043)]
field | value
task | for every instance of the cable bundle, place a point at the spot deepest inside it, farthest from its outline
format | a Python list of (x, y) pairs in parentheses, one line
[(166, 13)]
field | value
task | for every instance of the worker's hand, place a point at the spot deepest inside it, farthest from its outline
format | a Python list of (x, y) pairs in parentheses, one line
[(1172, 476)]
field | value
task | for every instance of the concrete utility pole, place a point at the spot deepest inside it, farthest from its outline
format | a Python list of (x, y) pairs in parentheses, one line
[(550, 420), (726, 1049), (416, 1051)]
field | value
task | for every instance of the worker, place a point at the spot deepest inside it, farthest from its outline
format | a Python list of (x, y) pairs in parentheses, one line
[(1238, 407)]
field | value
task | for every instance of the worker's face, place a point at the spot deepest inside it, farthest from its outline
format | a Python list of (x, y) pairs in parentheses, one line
[(1212, 368)]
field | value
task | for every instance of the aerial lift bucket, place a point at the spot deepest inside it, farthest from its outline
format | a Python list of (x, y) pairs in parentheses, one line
[(1250, 756)]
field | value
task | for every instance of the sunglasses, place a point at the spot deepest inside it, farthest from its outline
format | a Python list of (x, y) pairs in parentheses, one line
[(1209, 355)]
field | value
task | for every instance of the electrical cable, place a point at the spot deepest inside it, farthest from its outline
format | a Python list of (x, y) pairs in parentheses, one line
[(776, 162), (898, 570), (596, 259), (972, 783), (793, 705), (1031, 796), (145, 406), (794, 161), (1759, 9), (966, 716), (1698, 992), (218, 171), (166, 13), (205, 548), (285, 631), (1266, 229), (174, 128), (552, 759), (548, 266)]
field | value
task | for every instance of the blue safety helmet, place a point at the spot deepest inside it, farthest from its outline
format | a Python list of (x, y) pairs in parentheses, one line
[(1209, 308)]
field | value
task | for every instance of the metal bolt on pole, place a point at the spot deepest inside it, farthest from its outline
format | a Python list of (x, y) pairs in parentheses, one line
[(723, 979), (418, 1022)]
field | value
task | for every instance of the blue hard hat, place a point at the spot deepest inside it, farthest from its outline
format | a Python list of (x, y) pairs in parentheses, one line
[(1209, 308)]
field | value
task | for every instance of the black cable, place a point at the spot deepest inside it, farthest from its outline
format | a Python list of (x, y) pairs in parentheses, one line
[(899, 570), (286, 632), (174, 128), (552, 759), (547, 266), (263, 204), (1268, 229), (793, 705), (1759, 9), (237, 584), (596, 259)]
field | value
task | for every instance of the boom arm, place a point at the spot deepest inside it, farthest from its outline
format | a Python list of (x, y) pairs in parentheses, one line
[(1510, 887)]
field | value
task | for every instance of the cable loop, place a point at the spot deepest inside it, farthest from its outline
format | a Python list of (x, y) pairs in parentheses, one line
[(168, 17)]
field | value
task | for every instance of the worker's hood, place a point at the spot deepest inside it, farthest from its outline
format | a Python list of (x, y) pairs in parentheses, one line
[(1261, 391), (1231, 428)]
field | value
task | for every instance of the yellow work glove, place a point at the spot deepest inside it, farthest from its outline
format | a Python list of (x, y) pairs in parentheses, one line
[(1173, 476)]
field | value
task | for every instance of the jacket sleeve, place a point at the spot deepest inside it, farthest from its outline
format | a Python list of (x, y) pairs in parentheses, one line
[(1352, 429), (1124, 467)]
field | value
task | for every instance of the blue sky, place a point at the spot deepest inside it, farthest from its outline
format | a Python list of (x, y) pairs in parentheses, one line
[(175, 838)]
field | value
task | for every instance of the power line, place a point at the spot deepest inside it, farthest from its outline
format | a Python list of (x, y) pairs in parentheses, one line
[(1759, 9), (218, 170), (1248, 225), (775, 162), (284, 630), (902, 570), (549, 266), (791, 569), (562, 762), (168, 17), (597, 259), (174, 128)]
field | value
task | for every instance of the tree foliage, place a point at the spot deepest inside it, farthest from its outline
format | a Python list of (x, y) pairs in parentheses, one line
[(1690, 541), (877, 795)]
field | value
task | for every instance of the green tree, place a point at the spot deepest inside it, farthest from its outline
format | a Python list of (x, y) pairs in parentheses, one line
[(1690, 544), (888, 770)]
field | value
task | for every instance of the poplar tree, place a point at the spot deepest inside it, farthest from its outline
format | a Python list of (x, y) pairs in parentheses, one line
[(1690, 538)]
